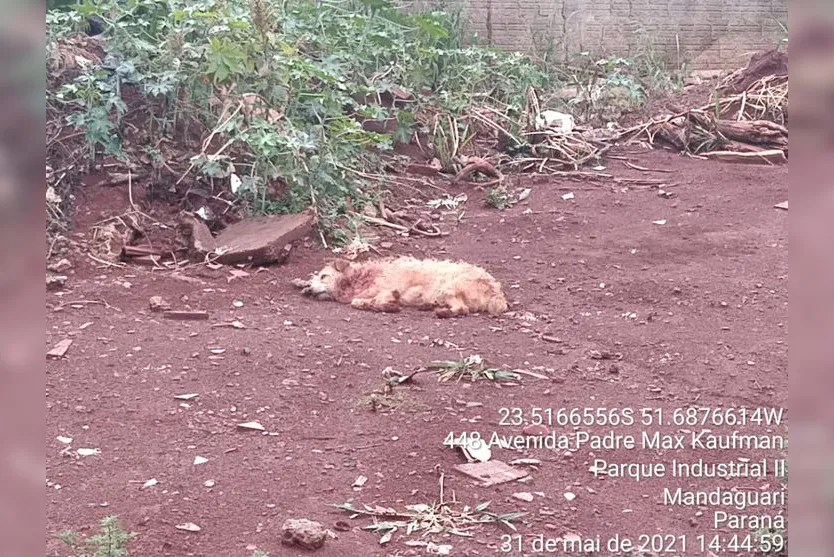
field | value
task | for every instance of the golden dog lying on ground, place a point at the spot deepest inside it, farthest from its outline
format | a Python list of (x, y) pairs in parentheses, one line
[(448, 288)]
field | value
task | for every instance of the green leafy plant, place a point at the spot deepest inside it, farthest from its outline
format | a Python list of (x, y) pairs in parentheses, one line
[(280, 89), (110, 541), (472, 367)]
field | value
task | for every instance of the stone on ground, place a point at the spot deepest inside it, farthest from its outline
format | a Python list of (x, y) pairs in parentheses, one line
[(262, 240), (304, 533)]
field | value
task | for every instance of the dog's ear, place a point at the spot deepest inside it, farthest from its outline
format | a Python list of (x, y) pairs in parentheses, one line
[(341, 265)]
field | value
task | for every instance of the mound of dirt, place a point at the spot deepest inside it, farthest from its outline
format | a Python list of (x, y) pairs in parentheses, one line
[(761, 65)]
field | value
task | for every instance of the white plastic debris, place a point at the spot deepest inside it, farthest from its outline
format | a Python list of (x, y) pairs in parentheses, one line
[(556, 120)]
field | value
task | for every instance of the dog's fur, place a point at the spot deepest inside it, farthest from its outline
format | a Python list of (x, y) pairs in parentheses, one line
[(446, 287)]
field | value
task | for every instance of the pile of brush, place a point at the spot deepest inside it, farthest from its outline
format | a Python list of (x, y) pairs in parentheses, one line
[(746, 122)]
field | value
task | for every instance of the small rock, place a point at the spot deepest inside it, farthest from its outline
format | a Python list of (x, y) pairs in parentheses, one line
[(60, 349), (535, 430), (55, 282), (386, 245), (261, 240), (523, 496), (198, 234), (304, 533), (60, 266), (157, 304)]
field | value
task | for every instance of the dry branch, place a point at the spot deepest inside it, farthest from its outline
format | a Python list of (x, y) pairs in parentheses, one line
[(773, 156)]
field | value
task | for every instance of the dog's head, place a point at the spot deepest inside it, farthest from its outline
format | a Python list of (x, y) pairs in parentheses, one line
[(322, 284)]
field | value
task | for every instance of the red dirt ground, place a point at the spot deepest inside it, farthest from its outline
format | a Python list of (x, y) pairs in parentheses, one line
[(697, 307)]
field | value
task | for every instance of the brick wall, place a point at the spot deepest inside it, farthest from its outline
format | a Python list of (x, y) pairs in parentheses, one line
[(707, 34)]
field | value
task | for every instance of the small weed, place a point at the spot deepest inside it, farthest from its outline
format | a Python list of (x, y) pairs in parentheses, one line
[(111, 541), (310, 63), (498, 197), (471, 366)]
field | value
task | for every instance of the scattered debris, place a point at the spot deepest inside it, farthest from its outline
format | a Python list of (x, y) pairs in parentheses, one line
[(773, 64), (55, 282), (304, 533), (198, 234), (189, 396), (604, 355), (188, 527), (150, 483), (448, 202), (440, 517), (60, 349), (771, 156), (233, 324), (491, 473), (559, 121), (60, 266), (157, 304), (527, 461), (186, 315), (88, 452), (200, 460), (474, 449), (431, 547), (752, 121), (524, 496), (472, 366), (783, 205), (477, 164), (252, 425)]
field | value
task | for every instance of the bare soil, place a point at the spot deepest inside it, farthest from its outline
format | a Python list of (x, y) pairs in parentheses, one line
[(690, 312)]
